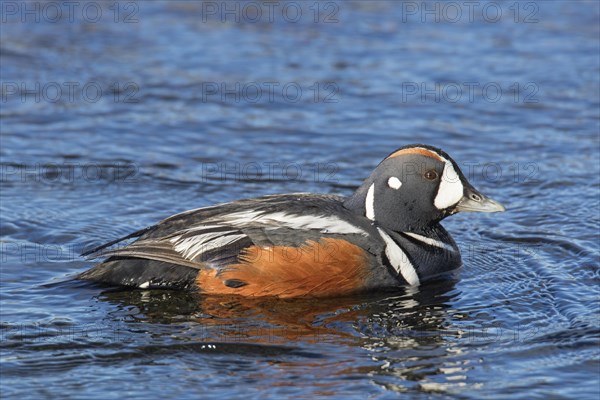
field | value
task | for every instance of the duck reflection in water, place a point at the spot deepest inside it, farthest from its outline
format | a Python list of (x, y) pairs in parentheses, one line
[(410, 333), (408, 313)]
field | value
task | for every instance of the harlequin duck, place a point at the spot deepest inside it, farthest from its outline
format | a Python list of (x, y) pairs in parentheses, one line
[(386, 234)]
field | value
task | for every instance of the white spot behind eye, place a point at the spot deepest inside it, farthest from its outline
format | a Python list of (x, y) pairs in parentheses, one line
[(394, 183)]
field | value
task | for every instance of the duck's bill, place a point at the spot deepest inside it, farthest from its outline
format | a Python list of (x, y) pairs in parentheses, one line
[(473, 201)]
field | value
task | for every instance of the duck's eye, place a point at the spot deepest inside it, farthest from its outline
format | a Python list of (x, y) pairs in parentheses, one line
[(431, 175), (475, 197)]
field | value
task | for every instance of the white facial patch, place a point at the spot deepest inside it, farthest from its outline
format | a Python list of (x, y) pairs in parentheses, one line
[(370, 203), (394, 183), (451, 189)]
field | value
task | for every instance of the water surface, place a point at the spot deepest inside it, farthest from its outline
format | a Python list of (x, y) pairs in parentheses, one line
[(520, 319)]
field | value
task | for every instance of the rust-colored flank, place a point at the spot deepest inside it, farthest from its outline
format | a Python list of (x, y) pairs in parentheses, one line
[(416, 150), (329, 267)]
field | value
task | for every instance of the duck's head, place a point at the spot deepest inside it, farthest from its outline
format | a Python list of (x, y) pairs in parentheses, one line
[(417, 186)]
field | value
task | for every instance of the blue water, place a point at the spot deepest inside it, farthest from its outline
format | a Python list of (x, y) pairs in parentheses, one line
[(172, 108)]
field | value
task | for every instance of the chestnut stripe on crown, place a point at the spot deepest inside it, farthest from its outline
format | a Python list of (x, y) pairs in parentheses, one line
[(417, 150)]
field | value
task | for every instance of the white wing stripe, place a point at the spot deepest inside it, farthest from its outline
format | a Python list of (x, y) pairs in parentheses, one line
[(276, 220), (191, 247), (226, 240), (204, 227)]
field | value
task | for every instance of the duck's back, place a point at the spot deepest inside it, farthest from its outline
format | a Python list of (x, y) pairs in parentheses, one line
[(280, 245)]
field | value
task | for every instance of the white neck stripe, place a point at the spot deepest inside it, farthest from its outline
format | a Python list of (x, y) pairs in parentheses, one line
[(399, 259), (430, 241), (370, 203)]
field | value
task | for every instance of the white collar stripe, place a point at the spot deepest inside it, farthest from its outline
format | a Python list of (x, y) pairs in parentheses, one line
[(399, 259), (370, 203)]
